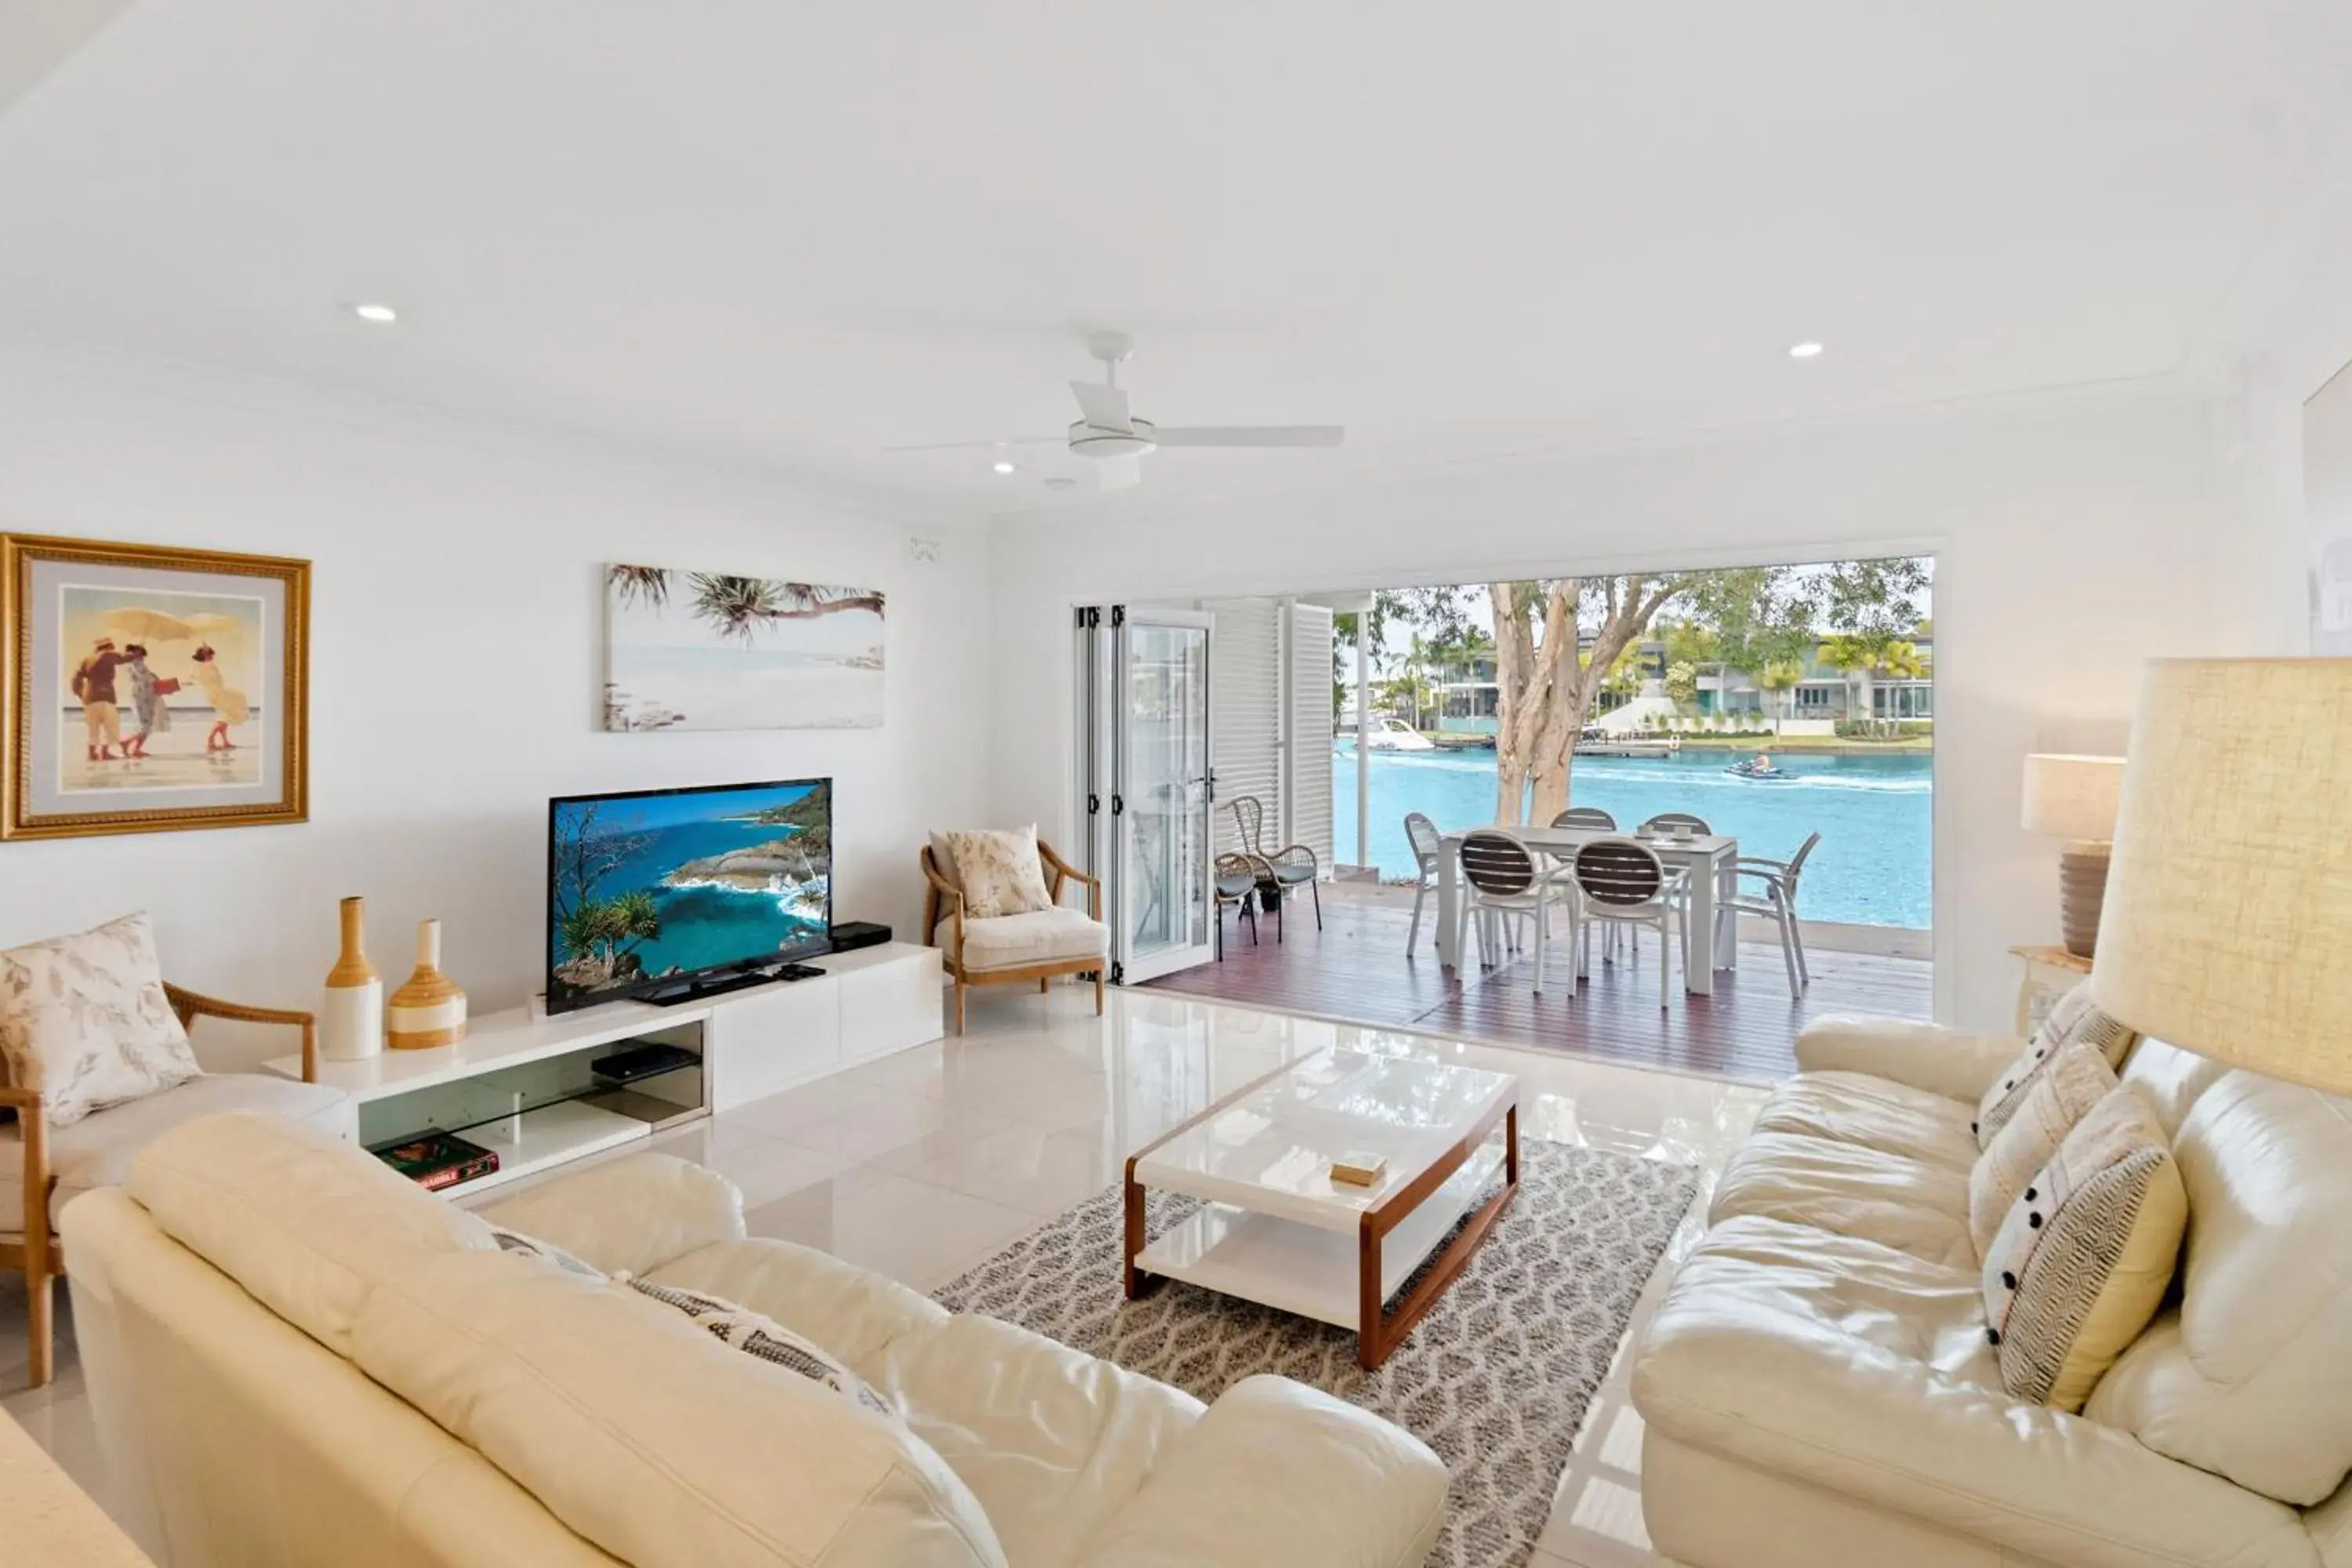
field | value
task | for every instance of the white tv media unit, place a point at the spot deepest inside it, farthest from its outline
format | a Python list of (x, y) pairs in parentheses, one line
[(520, 1084)]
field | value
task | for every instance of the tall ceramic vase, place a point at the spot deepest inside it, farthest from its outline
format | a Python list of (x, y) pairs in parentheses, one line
[(428, 1009), (351, 1025)]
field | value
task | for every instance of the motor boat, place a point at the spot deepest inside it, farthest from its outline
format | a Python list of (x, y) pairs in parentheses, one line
[(1390, 733), (1760, 769)]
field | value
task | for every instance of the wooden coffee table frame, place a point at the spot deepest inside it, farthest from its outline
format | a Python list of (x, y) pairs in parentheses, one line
[(1379, 1331)]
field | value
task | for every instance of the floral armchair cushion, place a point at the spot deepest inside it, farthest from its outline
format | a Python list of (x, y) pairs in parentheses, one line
[(84, 1021), (1000, 872)]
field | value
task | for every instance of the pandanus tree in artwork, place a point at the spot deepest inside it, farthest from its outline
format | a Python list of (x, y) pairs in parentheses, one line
[(737, 608)]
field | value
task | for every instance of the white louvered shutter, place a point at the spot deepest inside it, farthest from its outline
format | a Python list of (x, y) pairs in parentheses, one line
[(1245, 673), (1308, 819)]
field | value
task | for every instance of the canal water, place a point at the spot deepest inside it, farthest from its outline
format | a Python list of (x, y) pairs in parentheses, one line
[(1873, 865)]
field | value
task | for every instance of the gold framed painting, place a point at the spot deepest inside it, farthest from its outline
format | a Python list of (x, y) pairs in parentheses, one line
[(148, 689)]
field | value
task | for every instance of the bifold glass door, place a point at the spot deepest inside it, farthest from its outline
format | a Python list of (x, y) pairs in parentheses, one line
[(1147, 784)]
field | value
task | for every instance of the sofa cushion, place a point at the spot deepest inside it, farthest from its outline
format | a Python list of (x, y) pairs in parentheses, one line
[(756, 1333), (1297, 1476), (2078, 1078), (2169, 1080), (97, 1151), (653, 1439), (310, 1226), (1907, 1205), (2081, 1262), (84, 1021), (1053, 1442), (1870, 1299), (2074, 1018), (1015, 941), (2251, 1377), (1817, 1360), (1873, 1114), (626, 1216), (853, 1312)]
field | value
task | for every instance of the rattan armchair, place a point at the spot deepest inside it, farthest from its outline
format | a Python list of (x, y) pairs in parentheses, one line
[(965, 941), (1292, 865), (34, 1247)]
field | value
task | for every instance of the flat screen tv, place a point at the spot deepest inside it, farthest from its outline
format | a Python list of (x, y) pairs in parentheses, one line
[(652, 891)]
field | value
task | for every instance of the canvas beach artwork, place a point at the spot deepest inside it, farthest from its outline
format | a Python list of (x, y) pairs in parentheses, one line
[(708, 650), (150, 687)]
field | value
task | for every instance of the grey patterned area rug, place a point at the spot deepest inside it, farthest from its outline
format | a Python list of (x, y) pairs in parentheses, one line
[(1496, 1378)]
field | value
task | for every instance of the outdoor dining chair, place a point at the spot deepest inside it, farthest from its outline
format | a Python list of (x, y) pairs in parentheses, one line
[(1586, 817), (1777, 903), (1504, 879), (1236, 880), (1427, 846), (1292, 865), (1666, 822), (1624, 883)]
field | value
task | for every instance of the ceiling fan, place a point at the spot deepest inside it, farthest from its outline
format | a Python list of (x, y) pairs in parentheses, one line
[(1117, 441)]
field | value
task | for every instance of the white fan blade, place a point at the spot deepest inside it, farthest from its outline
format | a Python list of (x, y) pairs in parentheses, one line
[(1104, 407), (1000, 441), (1118, 473), (1250, 436)]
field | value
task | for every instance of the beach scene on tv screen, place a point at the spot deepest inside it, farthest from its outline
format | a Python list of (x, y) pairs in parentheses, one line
[(650, 886)]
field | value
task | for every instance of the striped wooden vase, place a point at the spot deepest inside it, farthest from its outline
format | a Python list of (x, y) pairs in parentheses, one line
[(428, 1009), (351, 1025)]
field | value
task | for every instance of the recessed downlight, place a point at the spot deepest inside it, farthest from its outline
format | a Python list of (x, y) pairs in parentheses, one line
[(381, 315), (1061, 482), (1806, 350), (1003, 465)]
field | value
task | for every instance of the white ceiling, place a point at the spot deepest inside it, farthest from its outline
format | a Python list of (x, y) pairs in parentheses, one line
[(789, 235)]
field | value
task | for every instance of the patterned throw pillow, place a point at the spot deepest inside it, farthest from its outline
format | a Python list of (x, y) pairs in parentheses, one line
[(2083, 1260), (755, 1334), (84, 1020), (2075, 1017), (531, 1246), (2078, 1079), (1000, 872)]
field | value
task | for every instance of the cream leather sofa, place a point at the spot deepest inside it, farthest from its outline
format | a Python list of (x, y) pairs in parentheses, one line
[(295, 1357), (1817, 1386)]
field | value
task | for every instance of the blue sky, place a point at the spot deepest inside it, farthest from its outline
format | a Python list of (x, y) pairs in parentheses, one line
[(668, 810)]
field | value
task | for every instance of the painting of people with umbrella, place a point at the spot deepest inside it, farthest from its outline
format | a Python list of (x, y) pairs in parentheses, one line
[(160, 686), (161, 691)]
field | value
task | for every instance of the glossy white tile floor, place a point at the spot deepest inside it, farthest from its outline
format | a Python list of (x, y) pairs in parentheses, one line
[(923, 1163)]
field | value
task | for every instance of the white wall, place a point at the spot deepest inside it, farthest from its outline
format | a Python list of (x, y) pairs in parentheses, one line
[(2072, 534), (455, 671), (2279, 345)]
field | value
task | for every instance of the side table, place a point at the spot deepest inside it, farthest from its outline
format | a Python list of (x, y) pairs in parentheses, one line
[(2050, 973)]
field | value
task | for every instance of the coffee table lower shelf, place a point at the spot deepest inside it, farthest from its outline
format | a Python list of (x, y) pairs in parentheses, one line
[(1300, 1269), (1326, 1274)]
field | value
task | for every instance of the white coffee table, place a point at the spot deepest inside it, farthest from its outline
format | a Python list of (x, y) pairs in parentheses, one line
[(1277, 1229)]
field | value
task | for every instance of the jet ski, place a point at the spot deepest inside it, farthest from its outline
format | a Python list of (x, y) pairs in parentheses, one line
[(1753, 769)]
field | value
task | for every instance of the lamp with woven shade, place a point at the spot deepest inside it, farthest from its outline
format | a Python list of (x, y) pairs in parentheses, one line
[(2228, 920), (2075, 797)]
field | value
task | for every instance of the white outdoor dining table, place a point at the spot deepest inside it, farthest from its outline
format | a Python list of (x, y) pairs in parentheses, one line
[(1710, 860)]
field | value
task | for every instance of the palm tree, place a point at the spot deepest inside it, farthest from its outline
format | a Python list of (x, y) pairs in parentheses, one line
[(737, 607), (1781, 676), (632, 584), (1900, 661), (1855, 654)]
